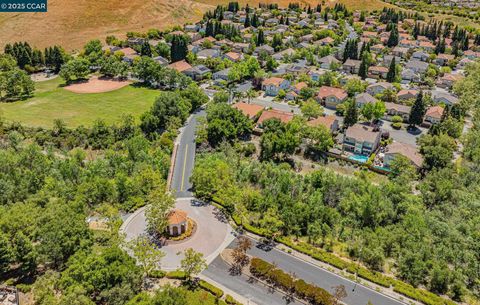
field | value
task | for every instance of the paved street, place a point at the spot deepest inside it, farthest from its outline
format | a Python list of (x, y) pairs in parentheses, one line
[(218, 271), (256, 292), (185, 159)]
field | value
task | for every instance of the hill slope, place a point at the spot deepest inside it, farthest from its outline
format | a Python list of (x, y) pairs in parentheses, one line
[(71, 23)]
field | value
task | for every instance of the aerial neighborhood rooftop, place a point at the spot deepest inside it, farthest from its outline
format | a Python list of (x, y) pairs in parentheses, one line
[(368, 63)]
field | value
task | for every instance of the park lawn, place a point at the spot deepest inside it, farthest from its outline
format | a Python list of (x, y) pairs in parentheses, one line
[(51, 102)]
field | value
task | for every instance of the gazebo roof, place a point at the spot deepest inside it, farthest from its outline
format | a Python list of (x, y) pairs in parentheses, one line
[(177, 217)]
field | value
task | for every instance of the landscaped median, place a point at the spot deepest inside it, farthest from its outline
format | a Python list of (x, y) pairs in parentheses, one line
[(378, 278), (277, 277)]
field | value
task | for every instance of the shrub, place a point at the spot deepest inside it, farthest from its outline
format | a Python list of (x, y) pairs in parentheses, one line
[(397, 125), (158, 274), (177, 274), (217, 292), (230, 300)]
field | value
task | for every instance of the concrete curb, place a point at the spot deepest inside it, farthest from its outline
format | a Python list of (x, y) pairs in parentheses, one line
[(173, 159)]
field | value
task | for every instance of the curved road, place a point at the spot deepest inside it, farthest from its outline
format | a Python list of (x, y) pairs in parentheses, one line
[(218, 270)]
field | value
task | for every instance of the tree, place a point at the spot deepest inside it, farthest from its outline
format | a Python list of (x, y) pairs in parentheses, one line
[(363, 69), (93, 51), (393, 38), (437, 150), (239, 254), (195, 95), (319, 137), (169, 107), (278, 140), (179, 49), (392, 71), (111, 66), (339, 293), (146, 253), (192, 263), (351, 113), (417, 112), (226, 124), (156, 214), (15, 84), (75, 69), (311, 109)]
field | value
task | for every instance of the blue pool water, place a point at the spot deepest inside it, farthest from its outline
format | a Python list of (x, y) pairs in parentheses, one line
[(359, 158)]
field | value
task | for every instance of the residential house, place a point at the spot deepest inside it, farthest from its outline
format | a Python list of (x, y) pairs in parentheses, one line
[(327, 61), (443, 59), (394, 109), (198, 72), (264, 48), (378, 48), (281, 55), (364, 98), (409, 76), (427, 45), (180, 66), (331, 96), (396, 149), (233, 56), (407, 94), (273, 85), (221, 75), (434, 114), (283, 116), (161, 60), (442, 97), (361, 139), (400, 51), (379, 88), (208, 53), (250, 110), (420, 55), (448, 80), (417, 66), (329, 121), (316, 74), (129, 54), (377, 72), (351, 66)]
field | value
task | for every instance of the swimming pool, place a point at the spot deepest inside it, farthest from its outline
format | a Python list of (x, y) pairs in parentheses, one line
[(359, 158)]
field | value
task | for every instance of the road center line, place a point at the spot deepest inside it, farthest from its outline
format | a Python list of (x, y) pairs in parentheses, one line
[(184, 166)]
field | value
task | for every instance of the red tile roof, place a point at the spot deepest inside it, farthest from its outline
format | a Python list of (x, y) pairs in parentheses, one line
[(326, 91), (283, 116), (250, 110), (177, 217), (180, 66)]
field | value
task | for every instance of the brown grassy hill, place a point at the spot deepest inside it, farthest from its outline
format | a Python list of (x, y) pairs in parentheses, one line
[(71, 23)]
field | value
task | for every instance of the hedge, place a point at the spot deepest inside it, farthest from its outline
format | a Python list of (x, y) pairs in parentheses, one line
[(217, 292), (158, 274), (177, 275), (378, 278), (231, 301), (285, 281)]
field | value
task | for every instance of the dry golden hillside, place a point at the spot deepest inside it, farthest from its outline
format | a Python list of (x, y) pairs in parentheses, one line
[(71, 23)]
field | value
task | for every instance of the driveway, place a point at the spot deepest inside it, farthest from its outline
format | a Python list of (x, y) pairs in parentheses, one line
[(212, 235)]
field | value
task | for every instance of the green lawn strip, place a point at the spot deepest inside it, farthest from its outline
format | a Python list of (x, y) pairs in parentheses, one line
[(378, 278), (52, 102)]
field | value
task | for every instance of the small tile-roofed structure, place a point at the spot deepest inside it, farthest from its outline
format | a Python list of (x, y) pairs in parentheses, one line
[(283, 116)]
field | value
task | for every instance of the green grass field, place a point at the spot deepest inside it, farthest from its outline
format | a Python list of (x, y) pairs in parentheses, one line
[(52, 102)]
